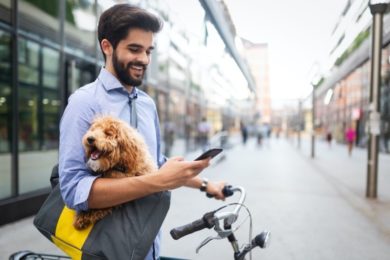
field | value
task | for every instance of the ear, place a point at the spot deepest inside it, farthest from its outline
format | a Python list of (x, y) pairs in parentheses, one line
[(106, 47), (129, 147)]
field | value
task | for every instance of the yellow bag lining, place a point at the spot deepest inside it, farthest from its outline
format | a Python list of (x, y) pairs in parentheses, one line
[(67, 238)]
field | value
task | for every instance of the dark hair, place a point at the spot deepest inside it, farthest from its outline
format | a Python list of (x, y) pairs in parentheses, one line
[(115, 23)]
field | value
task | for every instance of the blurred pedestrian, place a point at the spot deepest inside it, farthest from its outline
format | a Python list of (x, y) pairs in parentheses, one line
[(244, 132), (329, 138), (203, 133), (169, 137), (350, 136), (259, 135)]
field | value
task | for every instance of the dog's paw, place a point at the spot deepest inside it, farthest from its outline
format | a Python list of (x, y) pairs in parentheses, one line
[(81, 223)]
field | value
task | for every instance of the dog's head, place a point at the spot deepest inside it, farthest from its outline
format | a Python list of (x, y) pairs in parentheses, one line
[(107, 143)]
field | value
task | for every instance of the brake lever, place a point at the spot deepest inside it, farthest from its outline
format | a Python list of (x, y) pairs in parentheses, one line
[(206, 241), (221, 233)]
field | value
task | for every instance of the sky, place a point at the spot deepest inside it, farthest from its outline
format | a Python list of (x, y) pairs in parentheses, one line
[(297, 33)]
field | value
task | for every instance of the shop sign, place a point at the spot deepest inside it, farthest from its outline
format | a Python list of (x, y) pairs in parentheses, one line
[(374, 123), (356, 114)]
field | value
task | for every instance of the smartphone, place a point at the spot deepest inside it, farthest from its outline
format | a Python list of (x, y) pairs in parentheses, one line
[(210, 153)]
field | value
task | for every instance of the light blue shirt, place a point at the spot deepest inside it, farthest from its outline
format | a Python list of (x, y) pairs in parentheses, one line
[(104, 96)]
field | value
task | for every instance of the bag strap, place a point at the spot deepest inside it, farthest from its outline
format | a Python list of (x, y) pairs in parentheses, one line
[(54, 176)]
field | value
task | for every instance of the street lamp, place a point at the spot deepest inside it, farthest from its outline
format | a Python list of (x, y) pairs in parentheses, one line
[(377, 8), (299, 122), (314, 83)]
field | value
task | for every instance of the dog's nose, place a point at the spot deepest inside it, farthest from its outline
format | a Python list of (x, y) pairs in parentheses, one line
[(90, 139)]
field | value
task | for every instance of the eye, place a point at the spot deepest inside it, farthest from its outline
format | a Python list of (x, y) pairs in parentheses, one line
[(108, 133), (134, 49)]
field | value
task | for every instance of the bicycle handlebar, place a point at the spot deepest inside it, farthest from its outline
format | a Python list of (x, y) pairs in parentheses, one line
[(207, 221), (213, 219), (227, 192)]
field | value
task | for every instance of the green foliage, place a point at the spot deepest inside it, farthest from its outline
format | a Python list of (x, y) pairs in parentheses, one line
[(51, 7), (319, 83), (48, 6), (362, 36)]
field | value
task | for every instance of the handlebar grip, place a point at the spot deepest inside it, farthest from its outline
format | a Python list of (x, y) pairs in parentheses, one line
[(182, 231), (205, 222), (227, 191)]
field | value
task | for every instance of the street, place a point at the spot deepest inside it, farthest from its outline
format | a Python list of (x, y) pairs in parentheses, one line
[(315, 209)]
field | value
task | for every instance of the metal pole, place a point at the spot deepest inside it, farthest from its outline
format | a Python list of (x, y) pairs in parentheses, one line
[(299, 122), (377, 10), (15, 101), (313, 134)]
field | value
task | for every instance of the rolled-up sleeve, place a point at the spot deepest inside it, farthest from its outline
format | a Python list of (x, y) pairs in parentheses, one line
[(75, 179)]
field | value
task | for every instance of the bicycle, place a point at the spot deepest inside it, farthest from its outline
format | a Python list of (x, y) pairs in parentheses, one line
[(214, 219)]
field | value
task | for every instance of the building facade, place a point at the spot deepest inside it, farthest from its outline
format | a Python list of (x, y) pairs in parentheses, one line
[(49, 48), (342, 99), (256, 55)]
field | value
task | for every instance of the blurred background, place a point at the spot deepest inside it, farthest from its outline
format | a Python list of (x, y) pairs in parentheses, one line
[(224, 71)]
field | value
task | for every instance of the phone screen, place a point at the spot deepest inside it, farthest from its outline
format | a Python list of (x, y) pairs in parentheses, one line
[(210, 153)]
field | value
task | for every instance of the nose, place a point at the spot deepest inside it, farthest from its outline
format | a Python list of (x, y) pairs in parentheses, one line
[(143, 58), (90, 139)]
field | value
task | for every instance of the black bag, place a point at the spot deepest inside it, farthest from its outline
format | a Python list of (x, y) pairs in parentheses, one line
[(127, 233)]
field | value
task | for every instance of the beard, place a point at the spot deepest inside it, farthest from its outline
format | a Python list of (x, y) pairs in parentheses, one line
[(123, 74)]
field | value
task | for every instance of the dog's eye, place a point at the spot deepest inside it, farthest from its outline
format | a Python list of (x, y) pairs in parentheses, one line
[(108, 133)]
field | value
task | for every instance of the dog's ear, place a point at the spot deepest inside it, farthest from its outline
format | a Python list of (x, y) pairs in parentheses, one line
[(130, 144)]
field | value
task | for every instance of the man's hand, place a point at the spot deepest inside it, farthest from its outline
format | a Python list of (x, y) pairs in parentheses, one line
[(176, 172), (215, 189)]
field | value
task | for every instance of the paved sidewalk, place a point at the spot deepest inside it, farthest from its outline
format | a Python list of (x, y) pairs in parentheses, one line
[(315, 209)]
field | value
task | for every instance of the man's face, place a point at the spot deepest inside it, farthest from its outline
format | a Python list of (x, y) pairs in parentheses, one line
[(131, 57)]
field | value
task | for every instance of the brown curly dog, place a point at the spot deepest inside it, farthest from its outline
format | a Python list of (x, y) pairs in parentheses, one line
[(114, 150)]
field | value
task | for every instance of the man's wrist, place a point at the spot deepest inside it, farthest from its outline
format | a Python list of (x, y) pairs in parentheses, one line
[(203, 186)]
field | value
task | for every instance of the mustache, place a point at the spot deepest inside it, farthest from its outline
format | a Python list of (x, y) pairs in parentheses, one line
[(138, 64)]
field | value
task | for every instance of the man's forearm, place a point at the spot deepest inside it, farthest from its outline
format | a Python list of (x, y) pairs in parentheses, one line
[(108, 192), (195, 182)]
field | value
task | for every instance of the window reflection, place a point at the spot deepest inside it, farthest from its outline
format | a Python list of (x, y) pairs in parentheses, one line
[(28, 61), (51, 109), (40, 17), (78, 74), (80, 26), (5, 115), (28, 118), (5, 14), (50, 99), (50, 68), (39, 112)]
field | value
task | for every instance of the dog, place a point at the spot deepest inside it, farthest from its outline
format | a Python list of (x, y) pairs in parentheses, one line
[(113, 149)]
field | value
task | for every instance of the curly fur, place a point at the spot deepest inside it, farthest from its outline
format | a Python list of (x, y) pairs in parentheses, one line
[(114, 150)]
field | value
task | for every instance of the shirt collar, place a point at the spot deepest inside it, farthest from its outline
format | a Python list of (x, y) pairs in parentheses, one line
[(110, 82)]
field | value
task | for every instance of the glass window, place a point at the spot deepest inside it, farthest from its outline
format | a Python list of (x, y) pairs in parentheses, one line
[(50, 99), (5, 115), (50, 120), (28, 61), (5, 7), (28, 118), (40, 17), (39, 108), (51, 59), (80, 27), (78, 74)]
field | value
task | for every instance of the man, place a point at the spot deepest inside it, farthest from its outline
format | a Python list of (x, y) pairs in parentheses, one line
[(203, 131), (125, 35)]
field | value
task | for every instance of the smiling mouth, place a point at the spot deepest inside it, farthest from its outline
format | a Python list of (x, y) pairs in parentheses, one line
[(95, 153), (137, 67)]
